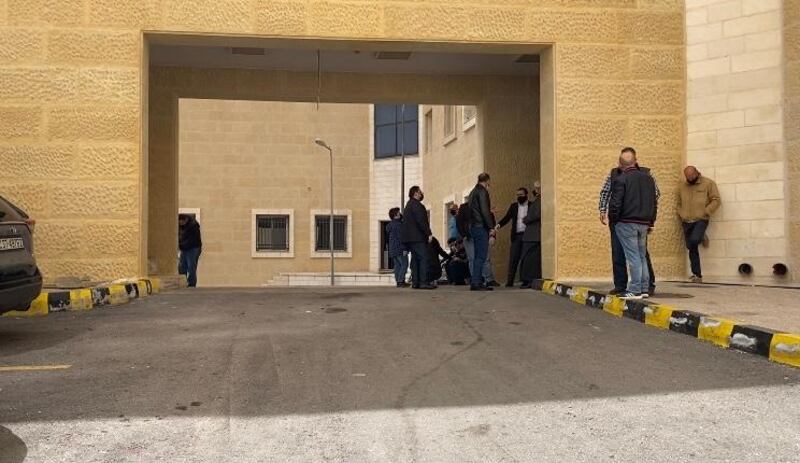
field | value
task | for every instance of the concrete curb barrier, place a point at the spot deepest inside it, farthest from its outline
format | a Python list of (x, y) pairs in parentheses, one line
[(114, 294), (779, 347)]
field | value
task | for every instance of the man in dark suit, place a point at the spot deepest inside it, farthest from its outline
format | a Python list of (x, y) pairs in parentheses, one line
[(516, 213), (532, 241), (416, 233)]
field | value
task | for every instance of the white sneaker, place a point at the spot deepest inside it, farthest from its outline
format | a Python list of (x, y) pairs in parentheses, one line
[(629, 296), (645, 295)]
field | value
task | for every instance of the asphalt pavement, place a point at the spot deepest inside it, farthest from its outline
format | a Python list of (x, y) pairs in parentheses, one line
[(352, 375)]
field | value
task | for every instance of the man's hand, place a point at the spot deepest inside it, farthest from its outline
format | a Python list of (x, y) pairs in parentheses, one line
[(604, 218)]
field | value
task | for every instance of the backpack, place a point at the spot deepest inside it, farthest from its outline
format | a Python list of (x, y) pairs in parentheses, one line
[(463, 219)]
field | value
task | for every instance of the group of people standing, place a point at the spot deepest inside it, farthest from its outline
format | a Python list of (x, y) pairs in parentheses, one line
[(629, 206), (472, 229)]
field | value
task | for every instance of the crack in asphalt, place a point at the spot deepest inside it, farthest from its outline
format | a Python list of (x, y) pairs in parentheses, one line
[(402, 398)]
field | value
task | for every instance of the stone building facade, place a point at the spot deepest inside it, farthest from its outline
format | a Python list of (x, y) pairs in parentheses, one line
[(88, 127)]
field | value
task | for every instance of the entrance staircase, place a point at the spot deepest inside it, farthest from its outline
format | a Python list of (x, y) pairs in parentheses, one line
[(340, 279)]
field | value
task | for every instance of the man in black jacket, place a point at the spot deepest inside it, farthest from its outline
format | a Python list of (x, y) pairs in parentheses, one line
[(531, 268), (191, 246), (516, 215), (632, 211), (416, 233), (481, 225)]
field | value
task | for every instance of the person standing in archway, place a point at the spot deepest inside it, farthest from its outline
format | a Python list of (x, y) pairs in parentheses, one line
[(481, 226), (416, 233), (191, 246)]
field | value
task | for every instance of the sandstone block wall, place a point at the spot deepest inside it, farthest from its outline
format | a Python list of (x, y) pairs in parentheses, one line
[(236, 156), (736, 130), (74, 91), (791, 40)]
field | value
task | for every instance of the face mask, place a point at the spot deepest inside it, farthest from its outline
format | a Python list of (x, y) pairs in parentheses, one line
[(522, 199)]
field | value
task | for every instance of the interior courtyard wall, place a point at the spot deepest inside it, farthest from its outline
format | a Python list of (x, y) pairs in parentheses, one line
[(72, 96), (240, 156)]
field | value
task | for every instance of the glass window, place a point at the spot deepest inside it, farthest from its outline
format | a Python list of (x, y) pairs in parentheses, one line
[(449, 122), (468, 116), (272, 233), (392, 136), (323, 230)]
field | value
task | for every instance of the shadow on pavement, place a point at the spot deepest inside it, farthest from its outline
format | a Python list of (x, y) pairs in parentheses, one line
[(284, 352), (12, 449)]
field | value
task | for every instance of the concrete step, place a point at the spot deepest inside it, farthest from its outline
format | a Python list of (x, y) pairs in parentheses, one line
[(324, 279)]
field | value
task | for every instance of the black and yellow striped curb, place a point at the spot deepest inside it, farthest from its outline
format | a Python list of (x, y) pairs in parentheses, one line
[(777, 346), (88, 298)]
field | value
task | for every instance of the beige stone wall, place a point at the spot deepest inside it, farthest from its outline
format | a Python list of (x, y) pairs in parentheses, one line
[(791, 40), (73, 90), (237, 156), (735, 130)]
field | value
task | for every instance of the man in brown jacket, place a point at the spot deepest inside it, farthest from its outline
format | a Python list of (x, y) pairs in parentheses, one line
[(698, 198)]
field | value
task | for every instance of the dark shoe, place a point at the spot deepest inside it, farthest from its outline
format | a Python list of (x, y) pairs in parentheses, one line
[(427, 287), (492, 283), (414, 286), (616, 292), (651, 290), (510, 284), (480, 288), (526, 286)]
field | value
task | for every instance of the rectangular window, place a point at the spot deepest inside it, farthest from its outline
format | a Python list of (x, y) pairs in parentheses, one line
[(272, 233), (469, 115), (322, 233), (449, 124), (428, 131), (396, 130)]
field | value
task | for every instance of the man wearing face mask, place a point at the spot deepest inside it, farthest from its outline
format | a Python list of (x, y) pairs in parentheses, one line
[(416, 233), (532, 241), (516, 215), (698, 198), (481, 224)]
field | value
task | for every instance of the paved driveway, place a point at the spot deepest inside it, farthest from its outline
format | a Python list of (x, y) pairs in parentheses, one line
[(382, 375)]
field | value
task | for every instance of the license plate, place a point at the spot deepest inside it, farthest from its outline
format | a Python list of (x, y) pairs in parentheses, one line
[(10, 244)]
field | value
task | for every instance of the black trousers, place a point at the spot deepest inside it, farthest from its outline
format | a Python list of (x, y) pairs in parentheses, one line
[(694, 232), (620, 266), (515, 257), (531, 261), (419, 263)]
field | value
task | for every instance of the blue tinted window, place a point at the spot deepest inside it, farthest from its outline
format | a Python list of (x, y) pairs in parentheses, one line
[(393, 137)]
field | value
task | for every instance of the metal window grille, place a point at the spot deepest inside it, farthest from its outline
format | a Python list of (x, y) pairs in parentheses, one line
[(322, 226), (272, 233)]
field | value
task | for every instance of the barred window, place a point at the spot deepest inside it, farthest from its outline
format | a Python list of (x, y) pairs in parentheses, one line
[(323, 230), (272, 233)]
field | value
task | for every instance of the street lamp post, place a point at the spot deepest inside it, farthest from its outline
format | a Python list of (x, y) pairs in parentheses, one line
[(402, 155), (322, 143)]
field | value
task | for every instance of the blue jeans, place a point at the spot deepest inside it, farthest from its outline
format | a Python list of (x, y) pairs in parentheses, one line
[(633, 237), (400, 267), (419, 263), (620, 269), (480, 242), (188, 265), (488, 272)]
